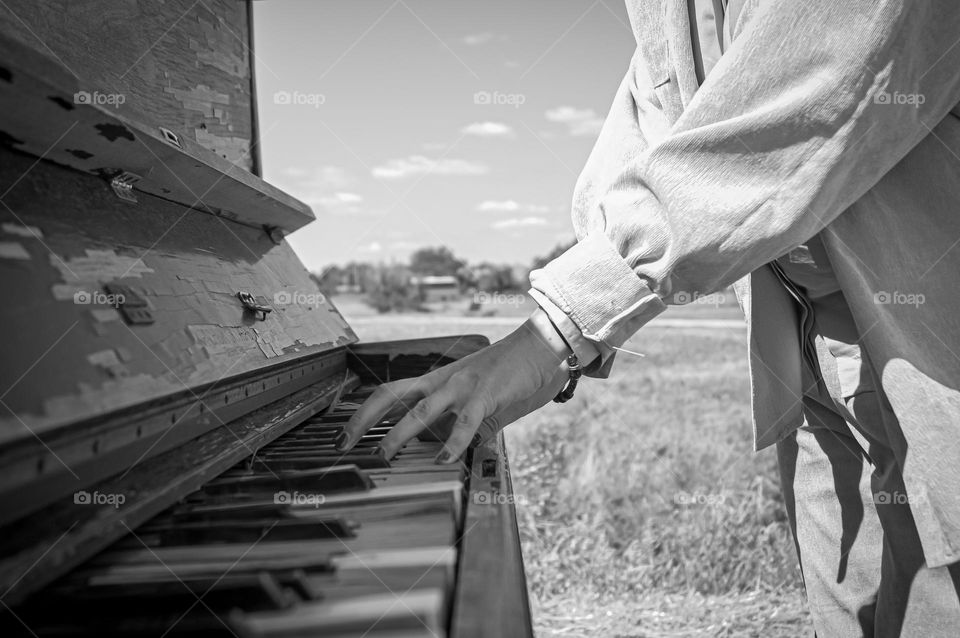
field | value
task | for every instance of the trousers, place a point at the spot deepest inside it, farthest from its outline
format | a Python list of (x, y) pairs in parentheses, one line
[(860, 555)]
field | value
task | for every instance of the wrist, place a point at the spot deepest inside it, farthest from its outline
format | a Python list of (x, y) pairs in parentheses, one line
[(540, 325)]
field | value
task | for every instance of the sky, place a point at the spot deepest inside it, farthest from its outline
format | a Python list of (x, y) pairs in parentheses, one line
[(413, 123)]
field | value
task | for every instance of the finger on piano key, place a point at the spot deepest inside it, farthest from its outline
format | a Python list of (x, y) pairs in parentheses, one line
[(427, 410), (385, 398), (466, 425)]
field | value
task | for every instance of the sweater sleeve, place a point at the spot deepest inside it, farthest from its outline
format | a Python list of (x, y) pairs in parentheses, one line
[(811, 105)]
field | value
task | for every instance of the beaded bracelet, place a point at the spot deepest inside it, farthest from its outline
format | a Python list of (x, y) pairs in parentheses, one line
[(573, 364)]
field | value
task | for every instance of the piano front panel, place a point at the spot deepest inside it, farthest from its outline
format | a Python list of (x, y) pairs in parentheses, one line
[(67, 245)]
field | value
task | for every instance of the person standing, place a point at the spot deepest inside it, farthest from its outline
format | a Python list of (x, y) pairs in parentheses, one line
[(810, 153)]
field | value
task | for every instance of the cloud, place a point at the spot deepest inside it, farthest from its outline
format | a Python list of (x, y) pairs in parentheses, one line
[(349, 198), (476, 39), (509, 206), (419, 164), (337, 200), (328, 188), (487, 129), (578, 121), (295, 171), (518, 222), (405, 246)]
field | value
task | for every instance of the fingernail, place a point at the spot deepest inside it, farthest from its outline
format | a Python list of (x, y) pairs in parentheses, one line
[(443, 457), (340, 441)]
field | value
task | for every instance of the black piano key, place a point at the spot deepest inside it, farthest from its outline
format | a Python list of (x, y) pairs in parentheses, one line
[(262, 589), (365, 461), (211, 510), (243, 531)]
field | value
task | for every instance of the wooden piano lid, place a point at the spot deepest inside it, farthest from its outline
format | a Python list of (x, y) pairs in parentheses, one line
[(47, 113)]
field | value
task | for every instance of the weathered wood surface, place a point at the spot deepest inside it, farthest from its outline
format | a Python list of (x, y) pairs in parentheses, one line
[(490, 575), (64, 236), (179, 64), (41, 115)]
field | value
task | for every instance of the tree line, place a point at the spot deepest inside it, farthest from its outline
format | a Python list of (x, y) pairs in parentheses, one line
[(402, 286)]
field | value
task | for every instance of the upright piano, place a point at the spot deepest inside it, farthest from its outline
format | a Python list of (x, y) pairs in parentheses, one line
[(172, 378)]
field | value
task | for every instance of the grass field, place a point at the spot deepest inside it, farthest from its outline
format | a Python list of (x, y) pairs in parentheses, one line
[(643, 510)]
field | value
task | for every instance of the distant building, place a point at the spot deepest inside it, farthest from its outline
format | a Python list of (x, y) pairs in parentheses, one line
[(343, 289), (437, 288)]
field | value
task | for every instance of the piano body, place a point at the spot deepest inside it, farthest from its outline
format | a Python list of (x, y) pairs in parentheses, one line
[(172, 378)]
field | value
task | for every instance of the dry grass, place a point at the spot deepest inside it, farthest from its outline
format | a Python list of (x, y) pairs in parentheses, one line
[(643, 510)]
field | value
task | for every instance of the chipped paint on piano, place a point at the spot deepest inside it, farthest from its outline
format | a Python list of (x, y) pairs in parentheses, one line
[(186, 267)]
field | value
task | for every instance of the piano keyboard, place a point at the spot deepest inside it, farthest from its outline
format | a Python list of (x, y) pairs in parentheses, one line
[(296, 540)]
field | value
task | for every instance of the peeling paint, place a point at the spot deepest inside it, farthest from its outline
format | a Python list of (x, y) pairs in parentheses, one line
[(9, 140), (13, 250), (201, 99), (103, 358), (65, 292), (101, 315), (113, 132), (192, 294), (234, 149), (19, 229), (62, 102), (97, 266)]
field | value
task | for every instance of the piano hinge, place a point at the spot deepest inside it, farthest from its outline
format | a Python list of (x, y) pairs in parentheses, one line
[(171, 138), (274, 233), (122, 185), (257, 305)]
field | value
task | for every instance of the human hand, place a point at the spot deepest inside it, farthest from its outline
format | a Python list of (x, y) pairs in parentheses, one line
[(483, 392)]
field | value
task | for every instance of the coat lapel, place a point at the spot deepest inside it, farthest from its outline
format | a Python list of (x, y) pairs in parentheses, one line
[(662, 30), (680, 46)]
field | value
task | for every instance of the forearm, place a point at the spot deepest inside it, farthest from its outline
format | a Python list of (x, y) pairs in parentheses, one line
[(539, 325)]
